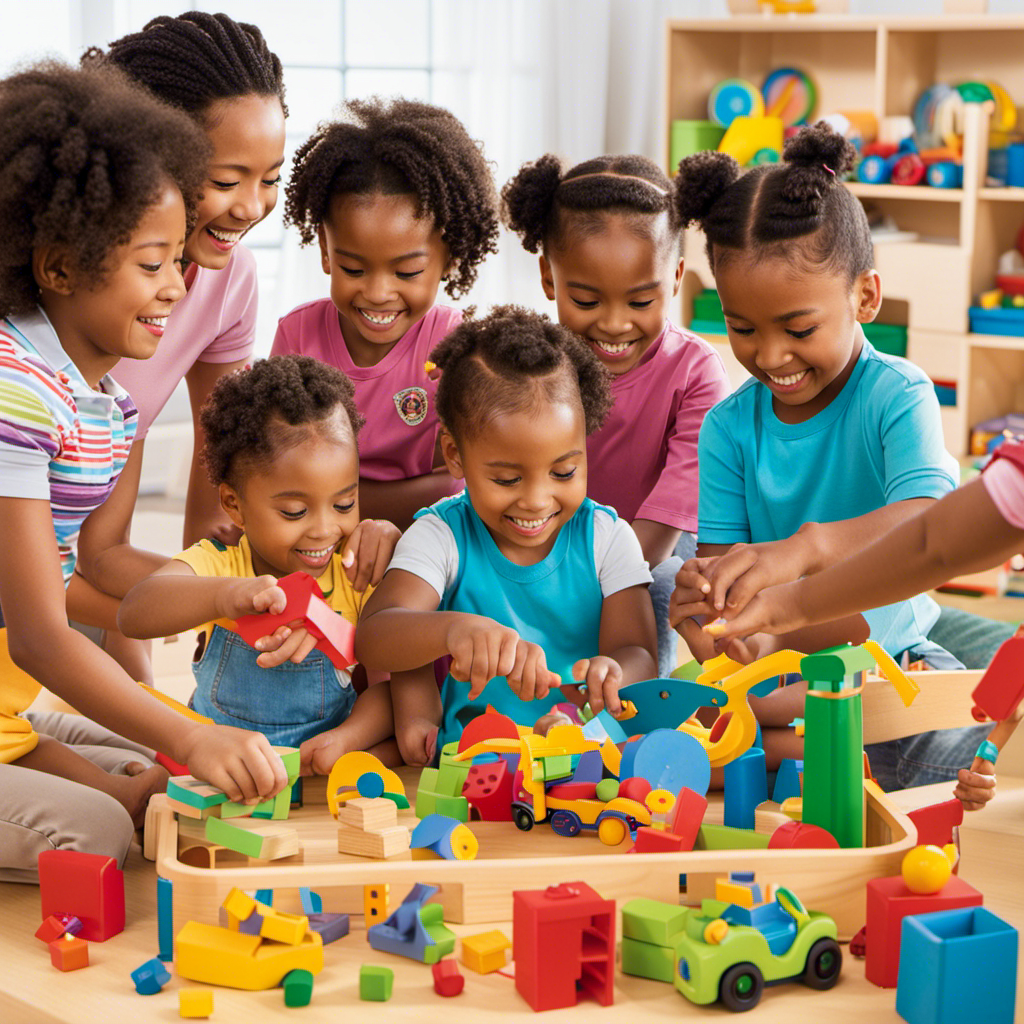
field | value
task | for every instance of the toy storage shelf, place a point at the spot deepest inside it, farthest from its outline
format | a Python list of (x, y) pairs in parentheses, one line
[(882, 65)]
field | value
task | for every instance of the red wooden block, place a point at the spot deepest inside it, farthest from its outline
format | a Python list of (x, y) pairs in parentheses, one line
[(635, 789), (57, 925), (652, 840), (936, 822), (1001, 688), (798, 835), (687, 816), (69, 953), (448, 980), (488, 790), (889, 901), (87, 885)]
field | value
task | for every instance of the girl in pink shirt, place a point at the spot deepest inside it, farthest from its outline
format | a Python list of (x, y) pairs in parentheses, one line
[(399, 198), (610, 241)]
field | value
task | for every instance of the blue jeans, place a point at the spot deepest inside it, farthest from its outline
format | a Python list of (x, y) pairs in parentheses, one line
[(288, 704), (970, 638), (661, 590)]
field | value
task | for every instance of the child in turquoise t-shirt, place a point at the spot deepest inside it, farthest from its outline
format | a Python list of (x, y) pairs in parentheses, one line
[(524, 581)]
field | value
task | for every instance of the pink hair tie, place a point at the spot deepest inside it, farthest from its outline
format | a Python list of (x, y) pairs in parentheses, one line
[(829, 169)]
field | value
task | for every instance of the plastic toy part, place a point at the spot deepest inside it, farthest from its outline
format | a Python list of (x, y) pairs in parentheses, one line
[(448, 979), (795, 835), (57, 925), (375, 903), (195, 1003), (343, 780), (415, 929), (746, 786), (330, 927), (376, 983), (443, 837), (734, 98), (69, 953), (151, 977), (298, 988), (936, 822), (1001, 688), (485, 952), (925, 869), (87, 885)]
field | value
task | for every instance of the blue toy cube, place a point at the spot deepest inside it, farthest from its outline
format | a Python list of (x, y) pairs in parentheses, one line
[(957, 967)]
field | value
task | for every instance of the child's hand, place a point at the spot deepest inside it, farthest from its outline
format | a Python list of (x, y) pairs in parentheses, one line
[(367, 552), (530, 676), (250, 597), (482, 649), (690, 596), (602, 677), (976, 787), (287, 643), (240, 762), (318, 754), (746, 569), (775, 610), (704, 645)]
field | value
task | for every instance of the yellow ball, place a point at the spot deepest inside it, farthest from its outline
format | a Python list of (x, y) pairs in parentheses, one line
[(926, 869)]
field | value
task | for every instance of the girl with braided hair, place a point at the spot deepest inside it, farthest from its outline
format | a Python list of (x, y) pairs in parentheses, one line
[(609, 239), (399, 199), (522, 579), (98, 184)]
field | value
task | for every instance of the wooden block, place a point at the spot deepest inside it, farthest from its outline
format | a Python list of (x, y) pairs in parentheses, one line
[(198, 813), (368, 813), (254, 837), (379, 843), (282, 927), (189, 790)]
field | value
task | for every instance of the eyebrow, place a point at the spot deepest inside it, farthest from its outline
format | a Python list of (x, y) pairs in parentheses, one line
[(497, 464), (785, 318), (301, 494), (152, 245), (629, 291), (242, 169), (398, 259)]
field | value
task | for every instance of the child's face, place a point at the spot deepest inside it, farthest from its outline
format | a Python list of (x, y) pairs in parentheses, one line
[(526, 473), (385, 265), (242, 183), (795, 331), (614, 288), (300, 508)]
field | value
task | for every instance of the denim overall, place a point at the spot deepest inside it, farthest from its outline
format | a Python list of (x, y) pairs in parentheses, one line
[(288, 704)]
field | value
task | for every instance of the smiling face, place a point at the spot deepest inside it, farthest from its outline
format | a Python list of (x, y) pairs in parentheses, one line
[(298, 510), (247, 133), (614, 287), (526, 474), (385, 265), (795, 331)]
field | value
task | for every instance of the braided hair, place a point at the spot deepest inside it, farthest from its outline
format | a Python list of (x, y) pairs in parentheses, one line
[(195, 59), (547, 207), (401, 147), (84, 152), (512, 360), (797, 210), (238, 419)]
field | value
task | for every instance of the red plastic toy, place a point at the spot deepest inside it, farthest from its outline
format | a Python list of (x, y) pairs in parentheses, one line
[(448, 979), (936, 822), (798, 835), (88, 885), (335, 634), (488, 790), (1001, 688)]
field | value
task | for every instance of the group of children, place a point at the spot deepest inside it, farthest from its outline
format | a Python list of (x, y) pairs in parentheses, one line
[(545, 474)]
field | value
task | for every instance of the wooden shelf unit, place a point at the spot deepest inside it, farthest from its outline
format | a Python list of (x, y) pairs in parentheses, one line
[(883, 65)]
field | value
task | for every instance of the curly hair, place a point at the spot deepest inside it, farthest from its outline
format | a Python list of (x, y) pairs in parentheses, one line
[(84, 152), (547, 207), (511, 360), (238, 417), (401, 147), (195, 59), (797, 210)]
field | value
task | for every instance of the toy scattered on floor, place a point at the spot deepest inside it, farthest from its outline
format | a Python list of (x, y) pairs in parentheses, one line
[(57, 925), (376, 983), (88, 886), (448, 979), (298, 988), (151, 977), (69, 953), (485, 952), (330, 927), (195, 1003), (440, 836), (375, 903), (369, 828), (415, 929)]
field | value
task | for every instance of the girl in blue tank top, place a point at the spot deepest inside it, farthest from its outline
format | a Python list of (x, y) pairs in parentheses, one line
[(521, 579)]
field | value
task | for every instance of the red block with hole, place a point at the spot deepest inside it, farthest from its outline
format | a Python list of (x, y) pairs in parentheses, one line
[(87, 885), (488, 790)]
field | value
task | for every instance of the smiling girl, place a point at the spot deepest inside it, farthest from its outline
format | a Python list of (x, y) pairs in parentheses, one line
[(399, 198)]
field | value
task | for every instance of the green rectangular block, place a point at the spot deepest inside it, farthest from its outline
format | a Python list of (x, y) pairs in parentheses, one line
[(558, 766), (237, 839), (376, 983), (290, 756), (646, 960), (722, 837), (186, 789), (428, 802), (652, 921)]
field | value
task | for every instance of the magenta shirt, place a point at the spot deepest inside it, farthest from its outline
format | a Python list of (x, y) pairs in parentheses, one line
[(214, 323), (395, 396), (643, 461)]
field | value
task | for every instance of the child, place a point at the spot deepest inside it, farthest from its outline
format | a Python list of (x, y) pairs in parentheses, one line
[(610, 240), (831, 444), (976, 527), (522, 578), (281, 447), (97, 178), (399, 198)]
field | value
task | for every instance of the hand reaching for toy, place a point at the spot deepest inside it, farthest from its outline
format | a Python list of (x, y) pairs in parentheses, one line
[(602, 677), (976, 787), (250, 596), (482, 649), (367, 552), (704, 645), (291, 642), (240, 762)]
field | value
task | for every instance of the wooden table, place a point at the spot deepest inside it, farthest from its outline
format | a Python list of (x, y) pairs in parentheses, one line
[(33, 992)]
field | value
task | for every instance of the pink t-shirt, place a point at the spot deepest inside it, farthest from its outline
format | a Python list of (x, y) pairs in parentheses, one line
[(214, 323), (395, 395), (643, 461), (1004, 481)]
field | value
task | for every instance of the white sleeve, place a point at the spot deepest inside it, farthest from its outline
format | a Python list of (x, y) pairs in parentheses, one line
[(427, 549), (617, 555)]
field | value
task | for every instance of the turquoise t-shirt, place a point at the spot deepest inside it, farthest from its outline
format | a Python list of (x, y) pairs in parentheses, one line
[(556, 603), (878, 442)]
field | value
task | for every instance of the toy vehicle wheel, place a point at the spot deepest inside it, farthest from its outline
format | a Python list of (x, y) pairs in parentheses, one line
[(611, 830), (824, 962), (566, 823), (523, 819), (741, 987)]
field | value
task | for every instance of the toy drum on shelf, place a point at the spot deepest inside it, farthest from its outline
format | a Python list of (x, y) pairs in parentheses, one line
[(945, 174)]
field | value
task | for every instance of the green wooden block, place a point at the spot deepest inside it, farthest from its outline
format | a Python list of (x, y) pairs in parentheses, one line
[(722, 837), (298, 988), (432, 919), (428, 802), (557, 766), (651, 921), (451, 778), (646, 960), (281, 805), (237, 839), (194, 793), (290, 756), (376, 983)]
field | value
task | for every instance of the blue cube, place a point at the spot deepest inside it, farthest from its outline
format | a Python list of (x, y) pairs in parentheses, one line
[(957, 967)]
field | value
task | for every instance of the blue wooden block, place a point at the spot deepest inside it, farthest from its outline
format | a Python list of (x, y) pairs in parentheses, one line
[(746, 786), (311, 902), (330, 927), (151, 977), (787, 780), (165, 918)]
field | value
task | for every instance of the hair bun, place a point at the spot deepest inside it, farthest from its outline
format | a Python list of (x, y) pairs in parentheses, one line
[(820, 156), (527, 199), (702, 178)]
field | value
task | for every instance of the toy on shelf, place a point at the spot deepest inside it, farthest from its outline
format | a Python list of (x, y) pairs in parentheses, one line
[(727, 952), (791, 95), (415, 929)]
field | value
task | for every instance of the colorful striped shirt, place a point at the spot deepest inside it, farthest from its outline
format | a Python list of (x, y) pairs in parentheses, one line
[(60, 440)]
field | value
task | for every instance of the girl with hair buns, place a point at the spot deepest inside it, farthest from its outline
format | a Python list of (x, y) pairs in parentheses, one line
[(831, 444), (609, 236)]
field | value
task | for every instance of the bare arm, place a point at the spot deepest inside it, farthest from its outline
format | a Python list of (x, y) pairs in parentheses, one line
[(399, 500), (657, 541)]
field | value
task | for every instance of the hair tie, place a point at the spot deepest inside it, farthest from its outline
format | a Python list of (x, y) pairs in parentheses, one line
[(829, 169)]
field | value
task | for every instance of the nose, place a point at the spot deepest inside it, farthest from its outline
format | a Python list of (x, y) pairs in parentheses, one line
[(615, 321), (319, 523), (248, 206), (536, 496), (172, 287), (773, 353), (378, 288)]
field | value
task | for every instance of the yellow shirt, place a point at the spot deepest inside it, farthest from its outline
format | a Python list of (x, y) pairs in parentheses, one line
[(17, 690)]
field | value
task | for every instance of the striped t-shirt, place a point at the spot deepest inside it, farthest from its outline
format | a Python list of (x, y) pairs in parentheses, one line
[(60, 440)]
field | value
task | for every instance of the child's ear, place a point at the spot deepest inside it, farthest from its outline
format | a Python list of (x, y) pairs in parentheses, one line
[(868, 292), (547, 278), (325, 252), (52, 269), (679, 276), (451, 456), (231, 505)]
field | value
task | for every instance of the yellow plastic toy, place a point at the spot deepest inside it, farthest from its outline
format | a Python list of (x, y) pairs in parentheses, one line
[(485, 952), (926, 869), (747, 135), (345, 774), (195, 1003)]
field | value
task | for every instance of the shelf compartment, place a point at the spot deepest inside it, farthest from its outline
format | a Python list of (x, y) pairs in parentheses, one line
[(867, 190)]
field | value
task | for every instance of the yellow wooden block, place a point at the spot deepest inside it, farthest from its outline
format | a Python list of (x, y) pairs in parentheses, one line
[(729, 892), (195, 1003), (283, 927), (239, 904), (485, 952), (217, 956)]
